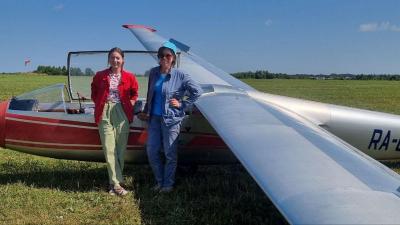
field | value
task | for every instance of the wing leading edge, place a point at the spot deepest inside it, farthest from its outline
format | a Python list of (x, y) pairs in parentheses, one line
[(310, 175), (200, 70)]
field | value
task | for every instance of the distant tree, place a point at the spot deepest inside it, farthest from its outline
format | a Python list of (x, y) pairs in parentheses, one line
[(51, 70), (75, 71), (89, 72), (64, 70)]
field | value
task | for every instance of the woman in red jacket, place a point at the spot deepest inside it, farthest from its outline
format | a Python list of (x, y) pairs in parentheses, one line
[(114, 92)]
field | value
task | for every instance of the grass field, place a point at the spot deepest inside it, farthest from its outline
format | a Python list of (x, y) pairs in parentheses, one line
[(366, 94), (37, 190)]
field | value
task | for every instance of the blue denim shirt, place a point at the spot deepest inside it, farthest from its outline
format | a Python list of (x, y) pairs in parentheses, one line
[(177, 84), (157, 99)]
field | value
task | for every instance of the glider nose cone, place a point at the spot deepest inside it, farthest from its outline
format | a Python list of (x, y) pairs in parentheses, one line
[(3, 109)]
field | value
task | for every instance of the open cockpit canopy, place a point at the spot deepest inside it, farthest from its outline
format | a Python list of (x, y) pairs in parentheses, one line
[(51, 98)]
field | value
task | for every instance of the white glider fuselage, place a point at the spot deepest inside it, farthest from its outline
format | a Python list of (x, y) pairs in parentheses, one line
[(376, 134)]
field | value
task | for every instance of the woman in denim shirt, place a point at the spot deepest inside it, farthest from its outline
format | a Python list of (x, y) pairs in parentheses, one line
[(164, 110)]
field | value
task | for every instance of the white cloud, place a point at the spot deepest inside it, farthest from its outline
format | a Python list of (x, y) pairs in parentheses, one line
[(58, 7), (369, 27), (382, 26), (268, 22)]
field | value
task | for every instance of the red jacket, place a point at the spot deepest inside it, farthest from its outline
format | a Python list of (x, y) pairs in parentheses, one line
[(128, 90)]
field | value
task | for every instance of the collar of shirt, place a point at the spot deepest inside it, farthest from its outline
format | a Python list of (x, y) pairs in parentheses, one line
[(115, 75)]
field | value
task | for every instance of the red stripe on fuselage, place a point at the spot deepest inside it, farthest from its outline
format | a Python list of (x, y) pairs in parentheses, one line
[(47, 133), (55, 147), (57, 133), (52, 145), (50, 120), (58, 121), (3, 109)]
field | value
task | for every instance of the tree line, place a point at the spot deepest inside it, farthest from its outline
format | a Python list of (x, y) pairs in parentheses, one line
[(264, 74), (259, 74), (52, 70), (74, 71)]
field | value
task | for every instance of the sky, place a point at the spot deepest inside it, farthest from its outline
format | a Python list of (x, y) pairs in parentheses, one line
[(281, 36)]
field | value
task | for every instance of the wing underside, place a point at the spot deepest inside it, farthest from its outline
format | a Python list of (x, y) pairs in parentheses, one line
[(310, 175)]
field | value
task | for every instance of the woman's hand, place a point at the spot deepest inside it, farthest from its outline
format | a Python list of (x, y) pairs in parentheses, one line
[(174, 103), (143, 116)]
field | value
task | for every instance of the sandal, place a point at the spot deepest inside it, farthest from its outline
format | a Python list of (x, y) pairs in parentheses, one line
[(120, 191)]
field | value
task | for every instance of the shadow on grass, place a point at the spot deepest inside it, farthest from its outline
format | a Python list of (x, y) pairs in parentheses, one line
[(212, 195), (62, 177), (393, 164)]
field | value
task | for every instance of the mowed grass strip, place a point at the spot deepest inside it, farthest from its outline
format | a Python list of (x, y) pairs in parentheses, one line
[(16, 84), (378, 95), (38, 190)]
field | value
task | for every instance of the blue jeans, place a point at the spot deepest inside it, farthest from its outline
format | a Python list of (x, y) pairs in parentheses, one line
[(162, 140)]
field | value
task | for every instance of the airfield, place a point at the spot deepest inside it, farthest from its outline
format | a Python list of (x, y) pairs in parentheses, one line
[(37, 190)]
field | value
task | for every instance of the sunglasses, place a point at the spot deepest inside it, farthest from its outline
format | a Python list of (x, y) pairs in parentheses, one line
[(168, 56)]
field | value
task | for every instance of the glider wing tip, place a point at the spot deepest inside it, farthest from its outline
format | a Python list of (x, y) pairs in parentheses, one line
[(135, 26)]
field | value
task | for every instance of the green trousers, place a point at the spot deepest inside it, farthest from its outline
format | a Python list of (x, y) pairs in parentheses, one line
[(114, 133)]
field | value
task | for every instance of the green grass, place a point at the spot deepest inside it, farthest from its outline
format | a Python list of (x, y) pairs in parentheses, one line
[(38, 190), (367, 94), (13, 85)]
